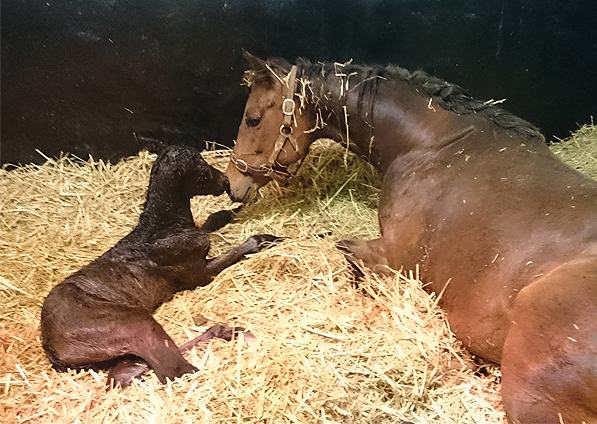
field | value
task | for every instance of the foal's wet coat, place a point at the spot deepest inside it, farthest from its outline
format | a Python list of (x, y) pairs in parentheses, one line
[(473, 196), (101, 316)]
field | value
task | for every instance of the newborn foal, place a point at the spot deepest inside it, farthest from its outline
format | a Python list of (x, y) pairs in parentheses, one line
[(101, 316)]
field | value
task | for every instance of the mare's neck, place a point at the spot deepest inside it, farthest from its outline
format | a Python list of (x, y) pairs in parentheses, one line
[(381, 120)]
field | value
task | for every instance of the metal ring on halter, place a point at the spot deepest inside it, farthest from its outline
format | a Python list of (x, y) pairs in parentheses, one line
[(240, 164), (286, 127), (263, 169)]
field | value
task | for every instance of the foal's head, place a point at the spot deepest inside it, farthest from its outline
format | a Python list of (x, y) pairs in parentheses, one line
[(180, 172), (273, 137)]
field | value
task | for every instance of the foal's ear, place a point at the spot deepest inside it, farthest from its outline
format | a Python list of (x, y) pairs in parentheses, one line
[(254, 62)]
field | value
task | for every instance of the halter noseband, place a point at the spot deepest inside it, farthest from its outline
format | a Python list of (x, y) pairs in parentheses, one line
[(267, 169)]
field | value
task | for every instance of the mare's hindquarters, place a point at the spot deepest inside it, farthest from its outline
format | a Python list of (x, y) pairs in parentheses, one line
[(549, 365)]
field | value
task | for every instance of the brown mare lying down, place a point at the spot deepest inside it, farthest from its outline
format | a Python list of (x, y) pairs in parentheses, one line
[(498, 225), (101, 316)]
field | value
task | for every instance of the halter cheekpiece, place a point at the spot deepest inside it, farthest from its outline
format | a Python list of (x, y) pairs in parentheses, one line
[(286, 129)]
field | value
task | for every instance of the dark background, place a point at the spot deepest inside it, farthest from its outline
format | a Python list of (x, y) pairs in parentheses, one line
[(107, 77)]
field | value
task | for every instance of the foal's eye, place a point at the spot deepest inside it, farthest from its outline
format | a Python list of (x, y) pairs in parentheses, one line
[(252, 122)]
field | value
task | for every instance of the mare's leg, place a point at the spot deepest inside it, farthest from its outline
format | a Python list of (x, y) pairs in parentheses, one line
[(364, 254), (253, 244), (399, 245), (549, 364)]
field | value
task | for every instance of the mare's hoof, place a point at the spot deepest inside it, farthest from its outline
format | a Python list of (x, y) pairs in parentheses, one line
[(355, 266), (344, 246)]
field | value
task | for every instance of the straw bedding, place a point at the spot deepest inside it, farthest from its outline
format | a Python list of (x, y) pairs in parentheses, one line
[(326, 352), (580, 150)]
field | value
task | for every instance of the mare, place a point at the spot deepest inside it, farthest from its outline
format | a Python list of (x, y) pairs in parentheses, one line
[(471, 194)]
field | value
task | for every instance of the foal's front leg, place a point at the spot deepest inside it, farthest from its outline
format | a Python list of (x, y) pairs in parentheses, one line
[(219, 219), (253, 244)]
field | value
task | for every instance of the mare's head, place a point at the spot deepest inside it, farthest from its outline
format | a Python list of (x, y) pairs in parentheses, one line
[(273, 137)]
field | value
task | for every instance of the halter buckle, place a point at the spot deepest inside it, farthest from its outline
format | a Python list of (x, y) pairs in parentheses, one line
[(288, 107)]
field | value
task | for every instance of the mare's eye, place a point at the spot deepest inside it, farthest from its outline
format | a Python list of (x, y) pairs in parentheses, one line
[(252, 122)]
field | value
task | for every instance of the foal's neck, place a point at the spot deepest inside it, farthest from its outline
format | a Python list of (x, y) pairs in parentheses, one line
[(166, 211)]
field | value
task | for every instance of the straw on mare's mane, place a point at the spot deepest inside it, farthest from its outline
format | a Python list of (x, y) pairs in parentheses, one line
[(449, 96)]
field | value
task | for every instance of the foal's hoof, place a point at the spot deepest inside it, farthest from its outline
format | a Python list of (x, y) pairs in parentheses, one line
[(224, 332), (265, 240), (218, 220), (168, 371), (123, 373), (219, 331)]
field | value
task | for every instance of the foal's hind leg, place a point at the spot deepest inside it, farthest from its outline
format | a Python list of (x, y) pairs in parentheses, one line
[(129, 368), (217, 331), (143, 337)]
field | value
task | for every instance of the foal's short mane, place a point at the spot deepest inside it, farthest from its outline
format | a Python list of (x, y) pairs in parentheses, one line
[(369, 79)]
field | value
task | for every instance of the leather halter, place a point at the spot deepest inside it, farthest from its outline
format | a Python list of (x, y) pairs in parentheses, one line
[(267, 169)]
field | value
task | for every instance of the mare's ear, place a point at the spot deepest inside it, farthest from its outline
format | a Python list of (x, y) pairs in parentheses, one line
[(254, 62)]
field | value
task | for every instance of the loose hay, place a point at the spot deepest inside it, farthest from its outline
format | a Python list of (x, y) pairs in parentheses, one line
[(580, 149), (326, 351)]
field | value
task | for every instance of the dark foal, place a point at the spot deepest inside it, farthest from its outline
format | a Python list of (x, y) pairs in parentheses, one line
[(101, 316)]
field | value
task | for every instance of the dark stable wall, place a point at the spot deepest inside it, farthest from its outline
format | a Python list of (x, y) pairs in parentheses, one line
[(110, 77)]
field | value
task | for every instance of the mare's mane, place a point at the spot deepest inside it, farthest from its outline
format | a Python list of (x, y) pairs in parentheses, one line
[(369, 79)]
